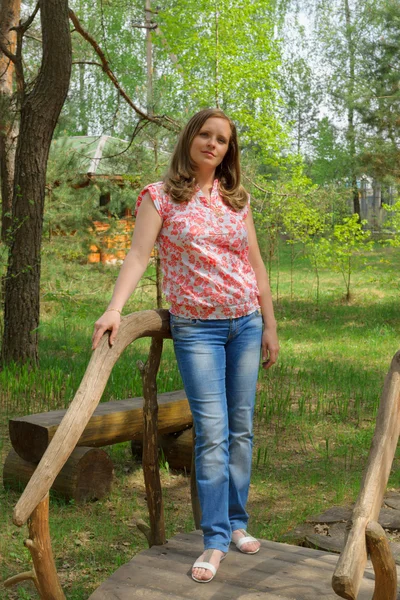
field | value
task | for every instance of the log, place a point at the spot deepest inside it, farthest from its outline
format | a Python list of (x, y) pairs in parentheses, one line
[(383, 563), (146, 323), (151, 471), (349, 571), (44, 574), (87, 475), (111, 422), (177, 448)]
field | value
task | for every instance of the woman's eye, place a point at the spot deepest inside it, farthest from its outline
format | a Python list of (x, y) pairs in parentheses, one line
[(222, 140), (203, 134)]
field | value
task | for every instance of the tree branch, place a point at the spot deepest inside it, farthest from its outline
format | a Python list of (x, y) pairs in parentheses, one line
[(25, 26), (7, 53), (87, 62), (163, 121), (33, 37), (255, 185), (151, 26)]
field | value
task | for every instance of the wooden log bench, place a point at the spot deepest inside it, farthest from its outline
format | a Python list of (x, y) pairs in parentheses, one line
[(111, 422), (87, 475), (175, 448)]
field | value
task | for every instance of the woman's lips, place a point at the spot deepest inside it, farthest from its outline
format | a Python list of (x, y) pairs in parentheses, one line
[(208, 153)]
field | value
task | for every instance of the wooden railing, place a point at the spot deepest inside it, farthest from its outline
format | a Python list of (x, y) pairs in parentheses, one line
[(33, 505), (365, 534)]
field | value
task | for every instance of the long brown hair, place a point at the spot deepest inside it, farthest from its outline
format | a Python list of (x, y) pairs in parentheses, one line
[(180, 182)]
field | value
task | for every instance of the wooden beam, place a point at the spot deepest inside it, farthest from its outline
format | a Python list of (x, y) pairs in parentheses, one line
[(87, 475), (111, 422), (177, 448), (44, 574), (141, 324), (151, 469), (383, 563), (351, 565)]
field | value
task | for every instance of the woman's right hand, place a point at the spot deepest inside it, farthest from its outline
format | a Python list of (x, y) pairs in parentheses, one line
[(109, 321)]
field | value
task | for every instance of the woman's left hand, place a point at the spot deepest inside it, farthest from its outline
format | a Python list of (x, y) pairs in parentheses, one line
[(269, 347)]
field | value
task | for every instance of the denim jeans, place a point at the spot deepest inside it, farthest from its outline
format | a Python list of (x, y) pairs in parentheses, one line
[(218, 360)]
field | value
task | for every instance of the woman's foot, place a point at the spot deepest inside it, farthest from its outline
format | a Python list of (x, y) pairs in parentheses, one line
[(210, 558), (245, 542)]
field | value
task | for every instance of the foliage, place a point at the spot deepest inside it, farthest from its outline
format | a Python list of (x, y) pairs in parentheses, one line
[(237, 72), (303, 214), (349, 241), (392, 224), (328, 161), (378, 100), (353, 53), (73, 201), (301, 94)]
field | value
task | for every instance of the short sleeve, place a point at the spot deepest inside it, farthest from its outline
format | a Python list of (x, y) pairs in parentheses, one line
[(245, 209), (158, 196)]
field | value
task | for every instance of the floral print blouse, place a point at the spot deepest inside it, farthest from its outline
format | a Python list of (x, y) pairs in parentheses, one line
[(203, 248)]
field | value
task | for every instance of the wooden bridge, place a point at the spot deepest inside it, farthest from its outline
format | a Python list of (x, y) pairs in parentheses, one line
[(278, 571)]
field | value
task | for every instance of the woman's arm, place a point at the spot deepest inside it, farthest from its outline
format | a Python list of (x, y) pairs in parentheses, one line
[(270, 344), (147, 227)]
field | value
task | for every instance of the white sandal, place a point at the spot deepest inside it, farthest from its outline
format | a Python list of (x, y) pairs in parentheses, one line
[(201, 564), (245, 540)]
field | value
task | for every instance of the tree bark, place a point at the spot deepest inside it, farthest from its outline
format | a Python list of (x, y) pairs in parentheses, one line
[(383, 562), (151, 469), (44, 574), (39, 113), (9, 17), (351, 134)]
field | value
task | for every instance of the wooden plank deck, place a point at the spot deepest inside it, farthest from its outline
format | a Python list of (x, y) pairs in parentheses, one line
[(277, 572)]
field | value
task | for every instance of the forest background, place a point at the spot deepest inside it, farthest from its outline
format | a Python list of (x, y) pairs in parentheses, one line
[(314, 89)]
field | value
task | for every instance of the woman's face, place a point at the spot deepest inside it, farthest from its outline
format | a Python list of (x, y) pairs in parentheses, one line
[(210, 144)]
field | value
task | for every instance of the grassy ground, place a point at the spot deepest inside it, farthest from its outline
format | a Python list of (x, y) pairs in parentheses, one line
[(313, 423)]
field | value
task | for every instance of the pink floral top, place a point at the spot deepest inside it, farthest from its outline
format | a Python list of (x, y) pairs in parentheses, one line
[(204, 249)]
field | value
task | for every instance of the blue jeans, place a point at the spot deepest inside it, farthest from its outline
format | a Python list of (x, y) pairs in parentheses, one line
[(218, 360)]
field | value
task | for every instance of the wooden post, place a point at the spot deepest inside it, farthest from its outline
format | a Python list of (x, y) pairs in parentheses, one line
[(193, 487), (141, 324), (383, 563), (176, 447), (350, 568), (151, 469), (44, 574)]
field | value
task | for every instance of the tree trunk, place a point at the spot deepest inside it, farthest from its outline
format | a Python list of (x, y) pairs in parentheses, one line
[(39, 113), (351, 134), (9, 17)]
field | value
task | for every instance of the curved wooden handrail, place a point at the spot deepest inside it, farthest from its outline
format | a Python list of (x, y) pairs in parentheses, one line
[(349, 571), (153, 323)]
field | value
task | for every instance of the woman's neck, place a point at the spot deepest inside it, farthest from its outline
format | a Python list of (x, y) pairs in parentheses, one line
[(205, 181)]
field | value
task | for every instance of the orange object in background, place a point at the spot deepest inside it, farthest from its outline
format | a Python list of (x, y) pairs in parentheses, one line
[(119, 241)]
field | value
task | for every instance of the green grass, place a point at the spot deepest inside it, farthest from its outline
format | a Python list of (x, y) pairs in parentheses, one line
[(314, 415)]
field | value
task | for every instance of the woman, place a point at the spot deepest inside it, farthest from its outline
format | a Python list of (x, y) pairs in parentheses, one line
[(219, 295)]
